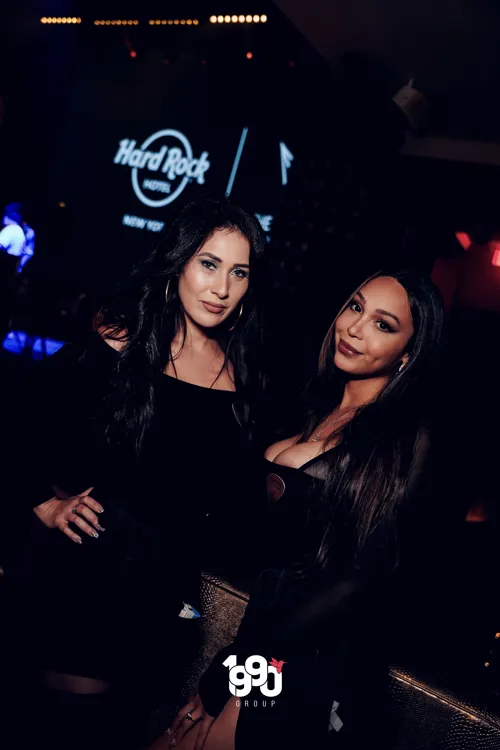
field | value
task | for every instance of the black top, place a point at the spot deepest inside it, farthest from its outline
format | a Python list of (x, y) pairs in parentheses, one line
[(168, 513), (191, 480), (329, 627)]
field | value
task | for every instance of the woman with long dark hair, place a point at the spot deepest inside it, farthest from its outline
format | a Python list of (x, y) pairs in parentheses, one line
[(141, 437), (308, 665)]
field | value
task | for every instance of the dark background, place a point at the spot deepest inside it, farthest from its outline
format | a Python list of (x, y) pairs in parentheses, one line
[(321, 79)]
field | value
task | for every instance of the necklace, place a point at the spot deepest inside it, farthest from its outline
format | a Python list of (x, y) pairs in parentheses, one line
[(340, 418), (317, 435)]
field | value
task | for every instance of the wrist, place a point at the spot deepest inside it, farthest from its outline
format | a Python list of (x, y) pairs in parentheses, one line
[(45, 511)]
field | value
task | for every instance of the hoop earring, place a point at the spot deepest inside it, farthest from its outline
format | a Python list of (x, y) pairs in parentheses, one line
[(237, 319)]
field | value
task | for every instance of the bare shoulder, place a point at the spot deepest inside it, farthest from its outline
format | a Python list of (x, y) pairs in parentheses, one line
[(112, 338), (275, 449)]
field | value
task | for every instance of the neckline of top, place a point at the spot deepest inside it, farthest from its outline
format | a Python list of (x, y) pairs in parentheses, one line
[(170, 377)]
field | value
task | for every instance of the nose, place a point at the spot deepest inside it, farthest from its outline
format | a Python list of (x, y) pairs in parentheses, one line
[(355, 330), (220, 286)]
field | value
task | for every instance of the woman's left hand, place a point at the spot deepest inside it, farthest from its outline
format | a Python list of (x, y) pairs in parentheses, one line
[(191, 715)]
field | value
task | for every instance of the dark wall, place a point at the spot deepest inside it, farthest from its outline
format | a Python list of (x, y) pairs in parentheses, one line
[(450, 48)]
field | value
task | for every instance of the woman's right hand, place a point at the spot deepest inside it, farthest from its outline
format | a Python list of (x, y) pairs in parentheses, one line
[(80, 510), (191, 715)]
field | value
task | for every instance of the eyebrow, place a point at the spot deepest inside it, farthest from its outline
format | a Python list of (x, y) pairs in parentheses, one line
[(219, 260), (390, 315), (381, 312)]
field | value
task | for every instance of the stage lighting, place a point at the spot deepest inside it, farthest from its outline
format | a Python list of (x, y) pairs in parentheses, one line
[(249, 55), (220, 19), (263, 19), (133, 53), (496, 254), (183, 22), (241, 19), (213, 19), (195, 22), (234, 19), (248, 19), (176, 22), (227, 19), (464, 240), (256, 19)]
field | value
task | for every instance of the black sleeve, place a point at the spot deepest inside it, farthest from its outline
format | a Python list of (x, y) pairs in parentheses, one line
[(338, 602)]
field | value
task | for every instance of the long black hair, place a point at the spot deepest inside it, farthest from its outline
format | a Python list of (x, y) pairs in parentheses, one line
[(147, 315), (370, 470)]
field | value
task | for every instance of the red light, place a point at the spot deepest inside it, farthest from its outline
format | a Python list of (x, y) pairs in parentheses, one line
[(133, 53), (249, 55), (464, 239), (495, 261)]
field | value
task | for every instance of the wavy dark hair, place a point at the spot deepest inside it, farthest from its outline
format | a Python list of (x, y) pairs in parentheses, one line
[(148, 320), (370, 470)]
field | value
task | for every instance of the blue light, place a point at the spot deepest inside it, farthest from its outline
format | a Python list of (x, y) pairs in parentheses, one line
[(236, 162), (15, 343), (286, 162)]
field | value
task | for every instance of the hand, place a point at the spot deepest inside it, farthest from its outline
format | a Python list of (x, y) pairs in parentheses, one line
[(183, 724), (80, 509)]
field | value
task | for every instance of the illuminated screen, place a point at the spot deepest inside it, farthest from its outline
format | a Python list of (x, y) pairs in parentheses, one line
[(132, 154)]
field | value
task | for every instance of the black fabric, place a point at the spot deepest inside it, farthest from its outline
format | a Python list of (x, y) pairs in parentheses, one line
[(185, 500), (332, 628)]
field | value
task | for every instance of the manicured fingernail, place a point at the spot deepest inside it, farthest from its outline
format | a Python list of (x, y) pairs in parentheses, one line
[(100, 509), (101, 528), (78, 540), (95, 535)]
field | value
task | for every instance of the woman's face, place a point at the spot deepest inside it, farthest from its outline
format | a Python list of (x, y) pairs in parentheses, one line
[(213, 283), (372, 334)]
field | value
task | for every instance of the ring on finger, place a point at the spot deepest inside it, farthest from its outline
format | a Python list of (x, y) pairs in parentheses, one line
[(75, 509), (189, 716)]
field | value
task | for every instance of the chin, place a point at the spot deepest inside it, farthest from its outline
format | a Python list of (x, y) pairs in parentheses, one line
[(349, 367), (343, 364), (208, 321)]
